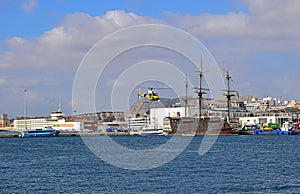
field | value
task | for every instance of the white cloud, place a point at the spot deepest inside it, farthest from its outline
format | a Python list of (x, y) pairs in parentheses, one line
[(48, 63), (270, 25), (65, 45), (30, 5)]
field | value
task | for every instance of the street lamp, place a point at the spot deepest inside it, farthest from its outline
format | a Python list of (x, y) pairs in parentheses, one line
[(25, 108)]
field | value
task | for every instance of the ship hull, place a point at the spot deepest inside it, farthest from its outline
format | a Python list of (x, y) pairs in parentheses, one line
[(275, 132), (199, 127), (152, 133), (40, 133)]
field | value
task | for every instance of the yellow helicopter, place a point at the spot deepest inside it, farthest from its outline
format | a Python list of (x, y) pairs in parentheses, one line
[(150, 95)]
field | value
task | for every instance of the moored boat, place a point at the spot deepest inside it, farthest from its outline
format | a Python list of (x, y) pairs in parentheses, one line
[(248, 129), (275, 132), (204, 126), (274, 129), (44, 132), (152, 131)]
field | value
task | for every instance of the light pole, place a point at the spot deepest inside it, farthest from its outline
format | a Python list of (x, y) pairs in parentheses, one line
[(25, 108)]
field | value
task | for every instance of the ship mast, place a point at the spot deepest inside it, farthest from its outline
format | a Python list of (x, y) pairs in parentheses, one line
[(186, 96), (229, 94), (200, 91)]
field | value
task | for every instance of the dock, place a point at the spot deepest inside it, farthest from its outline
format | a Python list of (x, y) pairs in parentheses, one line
[(8, 135)]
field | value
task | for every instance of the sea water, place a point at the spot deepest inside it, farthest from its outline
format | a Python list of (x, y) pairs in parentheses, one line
[(235, 164)]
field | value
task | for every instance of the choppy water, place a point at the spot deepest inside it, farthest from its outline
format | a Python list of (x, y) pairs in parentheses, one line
[(235, 164)]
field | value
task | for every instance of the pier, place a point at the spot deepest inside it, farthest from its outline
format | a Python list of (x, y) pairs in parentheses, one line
[(8, 135)]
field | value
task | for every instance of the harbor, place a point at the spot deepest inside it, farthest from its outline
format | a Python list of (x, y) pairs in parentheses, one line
[(150, 97), (199, 117), (141, 139)]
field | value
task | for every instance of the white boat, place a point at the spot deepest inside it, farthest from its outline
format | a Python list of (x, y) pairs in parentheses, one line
[(44, 132), (152, 131)]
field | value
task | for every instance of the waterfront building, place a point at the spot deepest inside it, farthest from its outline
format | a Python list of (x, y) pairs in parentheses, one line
[(157, 115), (100, 121), (90, 121), (4, 122), (253, 106), (110, 116), (56, 121), (242, 112), (274, 118), (137, 123)]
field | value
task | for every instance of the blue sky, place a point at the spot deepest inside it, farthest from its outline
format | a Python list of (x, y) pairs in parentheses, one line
[(15, 21), (43, 42)]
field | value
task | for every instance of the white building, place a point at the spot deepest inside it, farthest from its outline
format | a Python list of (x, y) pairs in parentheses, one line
[(55, 121), (157, 115), (265, 119), (137, 123)]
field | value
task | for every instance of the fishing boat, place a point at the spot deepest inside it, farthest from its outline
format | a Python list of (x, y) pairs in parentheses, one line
[(44, 132)]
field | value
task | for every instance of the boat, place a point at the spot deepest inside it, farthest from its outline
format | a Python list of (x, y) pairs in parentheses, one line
[(151, 131), (204, 124), (39, 132), (247, 129), (274, 129), (199, 127), (275, 132), (44, 132)]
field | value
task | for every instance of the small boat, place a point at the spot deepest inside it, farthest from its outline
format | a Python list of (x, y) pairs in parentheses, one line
[(152, 131), (275, 132), (44, 132), (248, 129), (274, 129), (41, 132)]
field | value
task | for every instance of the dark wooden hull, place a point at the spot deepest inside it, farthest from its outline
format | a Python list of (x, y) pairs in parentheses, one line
[(197, 127)]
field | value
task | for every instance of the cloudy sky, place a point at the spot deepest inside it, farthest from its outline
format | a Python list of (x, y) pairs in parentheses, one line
[(42, 44)]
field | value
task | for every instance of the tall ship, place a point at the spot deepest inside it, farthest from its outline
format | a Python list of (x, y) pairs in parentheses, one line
[(198, 127), (203, 124)]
